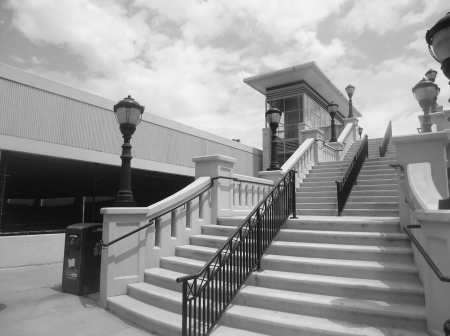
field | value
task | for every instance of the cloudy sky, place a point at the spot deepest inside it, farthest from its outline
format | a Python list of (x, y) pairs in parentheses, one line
[(185, 59)]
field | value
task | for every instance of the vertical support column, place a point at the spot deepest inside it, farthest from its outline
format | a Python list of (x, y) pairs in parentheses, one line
[(354, 121), (2, 185), (218, 166), (266, 133), (316, 134)]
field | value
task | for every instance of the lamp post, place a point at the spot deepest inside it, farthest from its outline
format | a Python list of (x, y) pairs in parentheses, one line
[(439, 37), (360, 130), (332, 109), (350, 89), (431, 75), (128, 115), (426, 93), (273, 117)]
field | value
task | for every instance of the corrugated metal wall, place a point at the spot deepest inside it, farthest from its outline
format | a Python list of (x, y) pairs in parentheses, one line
[(31, 113)]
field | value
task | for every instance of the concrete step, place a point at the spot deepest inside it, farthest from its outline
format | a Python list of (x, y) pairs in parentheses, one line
[(370, 212), (345, 237), (181, 265), (313, 193), (361, 269), (379, 171), (359, 192), (378, 176), (372, 199), (334, 307), (148, 317), (331, 199), (321, 179), (327, 188), (371, 205), (231, 221), (163, 278), (375, 187), (363, 181), (208, 241), (156, 296), (315, 184), (160, 321), (365, 289), (341, 251), (329, 206), (195, 252), (342, 223), (286, 324), (218, 230), (316, 212)]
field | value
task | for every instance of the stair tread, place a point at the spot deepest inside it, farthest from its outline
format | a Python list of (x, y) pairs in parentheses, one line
[(303, 323), (389, 235), (145, 311), (157, 291), (400, 267), (221, 330), (343, 281), (354, 305), (356, 248)]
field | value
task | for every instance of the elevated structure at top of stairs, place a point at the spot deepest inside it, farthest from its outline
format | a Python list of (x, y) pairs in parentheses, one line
[(302, 93)]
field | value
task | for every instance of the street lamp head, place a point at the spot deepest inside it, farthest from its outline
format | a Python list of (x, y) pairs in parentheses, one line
[(431, 75), (439, 37), (350, 89), (273, 116), (425, 91), (332, 108), (128, 112)]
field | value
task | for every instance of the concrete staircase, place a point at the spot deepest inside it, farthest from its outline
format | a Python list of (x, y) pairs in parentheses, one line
[(324, 275), (374, 195)]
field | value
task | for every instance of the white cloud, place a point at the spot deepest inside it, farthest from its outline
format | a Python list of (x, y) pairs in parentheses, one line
[(185, 59), (383, 16)]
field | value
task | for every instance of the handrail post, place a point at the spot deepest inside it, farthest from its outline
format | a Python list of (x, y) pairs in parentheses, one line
[(293, 195), (258, 240), (184, 316)]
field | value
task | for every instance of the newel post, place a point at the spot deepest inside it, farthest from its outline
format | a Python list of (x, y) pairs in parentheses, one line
[(216, 166)]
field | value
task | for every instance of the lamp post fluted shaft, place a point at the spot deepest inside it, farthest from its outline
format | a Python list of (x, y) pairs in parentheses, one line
[(350, 108), (124, 197), (426, 122), (273, 147), (333, 128)]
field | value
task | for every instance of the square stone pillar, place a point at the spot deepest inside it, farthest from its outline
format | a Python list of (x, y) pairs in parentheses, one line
[(316, 134), (221, 192), (417, 148), (354, 121), (302, 127)]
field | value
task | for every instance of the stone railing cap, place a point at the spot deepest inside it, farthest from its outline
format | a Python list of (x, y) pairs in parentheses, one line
[(213, 158)]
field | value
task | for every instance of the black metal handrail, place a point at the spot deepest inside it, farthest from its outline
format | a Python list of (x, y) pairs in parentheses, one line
[(345, 185), (386, 138), (430, 262), (207, 294)]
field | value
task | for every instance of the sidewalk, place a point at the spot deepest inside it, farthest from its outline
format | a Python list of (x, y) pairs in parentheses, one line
[(32, 304)]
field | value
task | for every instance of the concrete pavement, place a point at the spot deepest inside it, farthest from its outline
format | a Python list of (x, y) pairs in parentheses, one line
[(32, 304)]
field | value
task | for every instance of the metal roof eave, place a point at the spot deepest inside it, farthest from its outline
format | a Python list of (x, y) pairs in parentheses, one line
[(317, 81)]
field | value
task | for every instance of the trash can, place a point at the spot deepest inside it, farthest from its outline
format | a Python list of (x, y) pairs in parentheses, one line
[(82, 260)]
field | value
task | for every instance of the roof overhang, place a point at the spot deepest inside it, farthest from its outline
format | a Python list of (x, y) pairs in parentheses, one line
[(309, 73)]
